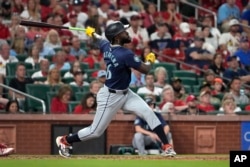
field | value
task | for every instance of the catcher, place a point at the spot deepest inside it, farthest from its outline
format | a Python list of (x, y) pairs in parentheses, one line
[(115, 94)]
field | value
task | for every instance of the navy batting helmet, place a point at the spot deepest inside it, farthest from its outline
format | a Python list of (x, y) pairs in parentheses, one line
[(114, 29)]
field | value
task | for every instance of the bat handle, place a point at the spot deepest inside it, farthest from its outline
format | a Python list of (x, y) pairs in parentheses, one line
[(77, 29)]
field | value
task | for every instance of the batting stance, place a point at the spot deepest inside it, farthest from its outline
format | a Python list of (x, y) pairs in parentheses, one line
[(115, 94)]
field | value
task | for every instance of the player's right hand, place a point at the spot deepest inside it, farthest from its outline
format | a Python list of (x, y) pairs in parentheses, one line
[(89, 31), (150, 57)]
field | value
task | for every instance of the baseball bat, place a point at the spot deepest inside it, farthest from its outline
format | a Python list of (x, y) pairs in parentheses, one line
[(47, 25)]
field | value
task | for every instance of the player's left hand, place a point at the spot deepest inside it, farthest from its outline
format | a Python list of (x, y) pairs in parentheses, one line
[(89, 31), (150, 57)]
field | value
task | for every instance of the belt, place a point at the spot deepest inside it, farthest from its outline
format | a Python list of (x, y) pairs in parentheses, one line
[(118, 91)]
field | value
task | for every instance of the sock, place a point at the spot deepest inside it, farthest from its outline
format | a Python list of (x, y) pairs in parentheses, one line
[(72, 138), (160, 132)]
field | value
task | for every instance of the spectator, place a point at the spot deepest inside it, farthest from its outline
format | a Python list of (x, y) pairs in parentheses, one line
[(193, 108), (14, 24), (104, 9), (205, 104), (161, 76), (124, 10), (59, 104), (229, 107), (226, 12), (144, 136), (17, 6), (19, 44), (197, 56), (72, 16), (53, 77), (229, 96), (157, 19), (81, 16), (150, 88), (235, 89), (74, 68), (171, 15), (44, 69), (209, 38), (137, 79), (160, 39), (206, 87), (217, 65), (5, 9), (34, 57), (149, 15), (43, 51), (101, 76), (79, 79), (136, 31), (19, 83), (145, 52), (87, 106), (178, 89), (32, 11), (229, 41), (243, 52), (168, 108), (234, 70), (53, 40), (4, 30), (209, 77), (76, 48), (95, 86), (168, 96), (12, 107), (60, 61), (94, 57), (112, 16), (219, 86), (66, 45)]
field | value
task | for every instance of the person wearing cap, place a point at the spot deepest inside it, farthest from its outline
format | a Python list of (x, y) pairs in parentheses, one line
[(136, 31), (243, 52), (104, 8), (234, 70), (219, 86), (179, 90), (204, 102), (209, 76), (192, 103), (79, 79), (239, 94), (82, 17), (124, 11), (66, 44), (230, 40), (4, 30), (226, 12), (144, 136), (101, 76), (205, 86), (72, 16), (198, 56)]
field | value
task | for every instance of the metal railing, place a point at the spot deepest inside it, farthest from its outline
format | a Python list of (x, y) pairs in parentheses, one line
[(26, 95)]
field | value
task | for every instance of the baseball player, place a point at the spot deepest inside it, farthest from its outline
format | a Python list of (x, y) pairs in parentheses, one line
[(115, 94)]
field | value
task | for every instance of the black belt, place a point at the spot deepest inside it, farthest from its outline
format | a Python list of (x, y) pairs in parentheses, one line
[(118, 91)]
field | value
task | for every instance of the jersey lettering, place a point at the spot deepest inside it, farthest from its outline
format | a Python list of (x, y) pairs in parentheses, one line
[(109, 73), (110, 56)]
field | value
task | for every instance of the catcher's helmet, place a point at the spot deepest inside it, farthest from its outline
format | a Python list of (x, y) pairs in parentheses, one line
[(114, 29)]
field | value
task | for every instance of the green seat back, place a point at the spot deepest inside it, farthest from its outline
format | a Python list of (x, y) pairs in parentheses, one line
[(11, 68), (72, 105)]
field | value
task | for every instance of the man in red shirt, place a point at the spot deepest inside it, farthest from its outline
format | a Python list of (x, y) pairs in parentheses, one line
[(205, 104), (4, 30)]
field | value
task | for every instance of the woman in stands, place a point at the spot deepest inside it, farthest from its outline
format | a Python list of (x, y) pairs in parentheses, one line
[(34, 57), (160, 76), (54, 77), (12, 107), (88, 104), (217, 65), (59, 104), (53, 40)]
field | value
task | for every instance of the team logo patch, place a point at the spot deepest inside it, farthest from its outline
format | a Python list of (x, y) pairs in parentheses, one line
[(137, 59)]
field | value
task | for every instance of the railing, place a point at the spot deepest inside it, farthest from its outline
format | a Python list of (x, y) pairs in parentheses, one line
[(27, 95)]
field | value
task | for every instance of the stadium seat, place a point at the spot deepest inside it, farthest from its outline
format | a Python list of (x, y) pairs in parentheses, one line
[(40, 79), (184, 73), (80, 95), (39, 91), (21, 57), (49, 57), (67, 80), (11, 68), (29, 72), (72, 105), (188, 89), (196, 88), (188, 81), (97, 66), (50, 96), (170, 67)]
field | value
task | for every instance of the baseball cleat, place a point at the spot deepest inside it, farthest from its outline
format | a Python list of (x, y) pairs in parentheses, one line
[(63, 146), (168, 150), (4, 150)]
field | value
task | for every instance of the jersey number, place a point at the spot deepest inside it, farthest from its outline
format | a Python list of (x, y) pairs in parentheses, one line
[(109, 74)]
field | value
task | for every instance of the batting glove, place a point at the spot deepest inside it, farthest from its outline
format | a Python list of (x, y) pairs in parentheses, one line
[(89, 31), (150, 57)]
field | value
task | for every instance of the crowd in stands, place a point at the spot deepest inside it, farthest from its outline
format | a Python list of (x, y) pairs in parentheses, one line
[(217, 75)]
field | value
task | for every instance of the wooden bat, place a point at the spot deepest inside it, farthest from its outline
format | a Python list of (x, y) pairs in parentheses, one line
[(47, 25)]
